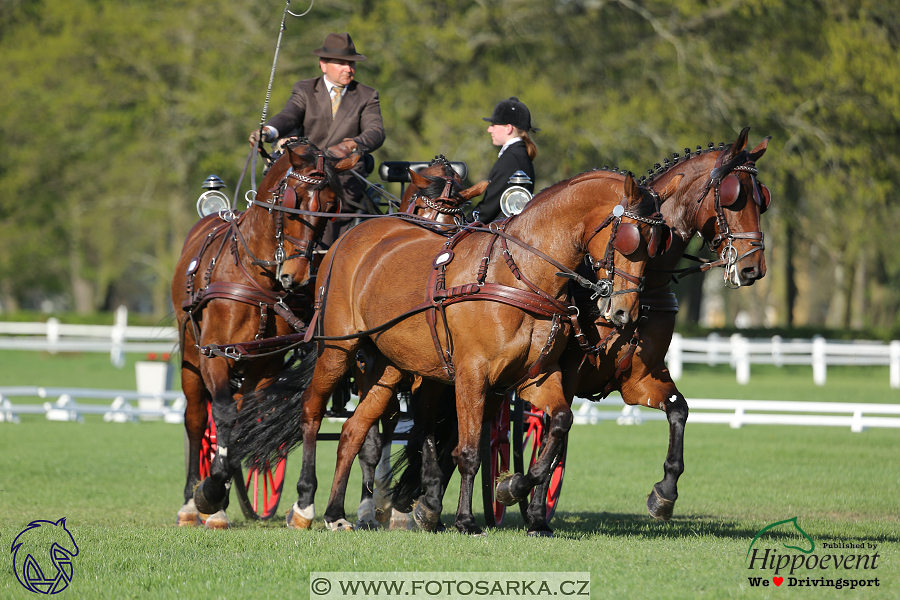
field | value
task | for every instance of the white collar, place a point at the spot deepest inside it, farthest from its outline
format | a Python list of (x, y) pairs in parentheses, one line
[(330, 86), (508, 143)]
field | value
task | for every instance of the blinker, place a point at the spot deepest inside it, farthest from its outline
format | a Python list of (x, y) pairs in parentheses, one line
[(628, 238), (729, 190), (762, 196)]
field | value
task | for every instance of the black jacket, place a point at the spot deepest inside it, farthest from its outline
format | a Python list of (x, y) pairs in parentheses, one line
[(514, 158)]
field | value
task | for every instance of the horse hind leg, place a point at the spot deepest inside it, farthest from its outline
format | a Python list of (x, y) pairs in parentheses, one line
[(661, 501), (516, 488)]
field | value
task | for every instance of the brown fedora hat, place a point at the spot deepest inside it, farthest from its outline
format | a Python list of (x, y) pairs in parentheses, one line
[(338, 46)]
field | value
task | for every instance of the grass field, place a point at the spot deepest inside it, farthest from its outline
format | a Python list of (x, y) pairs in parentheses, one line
[(120, 485)]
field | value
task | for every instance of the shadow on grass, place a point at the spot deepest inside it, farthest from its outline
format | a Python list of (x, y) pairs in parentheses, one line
[(575, 524)]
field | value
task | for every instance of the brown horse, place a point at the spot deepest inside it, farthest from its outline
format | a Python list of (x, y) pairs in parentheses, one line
[(719, 197), (235, 271), (409, 294), (434, 193), (711, 191)]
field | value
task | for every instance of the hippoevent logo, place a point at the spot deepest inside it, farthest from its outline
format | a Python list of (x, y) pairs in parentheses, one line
[(42, 556), (839, 564)]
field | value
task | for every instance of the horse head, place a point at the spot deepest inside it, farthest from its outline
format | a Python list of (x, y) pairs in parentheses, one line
[(720, 197), (637, 232), (436, 192), (301, 186)]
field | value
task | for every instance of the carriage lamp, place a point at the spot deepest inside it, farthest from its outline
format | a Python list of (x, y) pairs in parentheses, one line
[(515, 197), (212, 201)]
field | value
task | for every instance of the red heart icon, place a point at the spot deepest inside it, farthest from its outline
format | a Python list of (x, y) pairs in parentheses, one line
[(778, 580)]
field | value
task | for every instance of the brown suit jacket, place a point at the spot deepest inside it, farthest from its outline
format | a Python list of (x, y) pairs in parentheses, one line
[(308, 113)]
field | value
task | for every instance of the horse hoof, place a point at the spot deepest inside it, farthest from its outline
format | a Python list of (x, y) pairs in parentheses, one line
[(383, 516), (339, 525), (218, 520), (471, 530), (400, 521), (367, 525), (659, 508), (188, 515), (205, 504), (540, 533), (504, 494), (426, 519), (297, 519)]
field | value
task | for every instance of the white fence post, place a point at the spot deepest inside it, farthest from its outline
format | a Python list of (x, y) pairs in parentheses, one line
[(712, 349), (819, 361), (777, 358), (674, 358), (740, 356), (895, 364), (52, 333), (117, 355)]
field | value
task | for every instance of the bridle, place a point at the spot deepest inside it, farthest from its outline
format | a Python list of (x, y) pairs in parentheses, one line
[(624, 239), (444, 204), (725, 182), (285, 200)]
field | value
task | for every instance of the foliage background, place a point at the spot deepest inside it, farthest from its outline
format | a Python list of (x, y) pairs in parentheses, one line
[(113, 111)]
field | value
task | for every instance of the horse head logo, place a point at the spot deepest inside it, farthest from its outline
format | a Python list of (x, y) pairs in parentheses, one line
[(38, 546)]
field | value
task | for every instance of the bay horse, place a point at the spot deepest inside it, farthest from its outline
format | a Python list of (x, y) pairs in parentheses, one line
[(503, 331), (720, 198), (713, 192), (239, 278), (435, 193)]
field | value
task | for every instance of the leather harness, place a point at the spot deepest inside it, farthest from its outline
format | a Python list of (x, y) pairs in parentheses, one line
[(283, 303)]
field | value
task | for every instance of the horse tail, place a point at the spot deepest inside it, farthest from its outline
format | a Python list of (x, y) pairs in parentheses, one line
[(269, 424), (407, 463)]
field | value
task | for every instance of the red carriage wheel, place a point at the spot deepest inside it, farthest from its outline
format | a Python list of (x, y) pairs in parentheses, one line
[(258, 493), (208, 445), (528, 428), (494, 461)]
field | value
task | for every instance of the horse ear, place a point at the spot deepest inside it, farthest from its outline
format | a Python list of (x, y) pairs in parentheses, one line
[(672, 187), (741, 142), (632, 191), (418, 180), (296, 159), (475, 190), (761, 149), (347, 163)]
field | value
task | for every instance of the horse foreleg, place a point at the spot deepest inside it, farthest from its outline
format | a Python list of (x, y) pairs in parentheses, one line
[(470, 409), (369, 457), (382, 504), (211, 496), (195, 423), (354, 431)]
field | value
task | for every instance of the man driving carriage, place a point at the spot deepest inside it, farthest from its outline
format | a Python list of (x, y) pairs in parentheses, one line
[(331, 109)]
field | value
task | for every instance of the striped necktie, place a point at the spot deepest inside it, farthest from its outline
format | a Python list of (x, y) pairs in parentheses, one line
[(336, 98)]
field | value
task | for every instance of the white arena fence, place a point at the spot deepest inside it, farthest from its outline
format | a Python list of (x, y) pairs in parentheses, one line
[(736, 350), (155, 400), (117, 339), (169, 406), (740, 352)]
